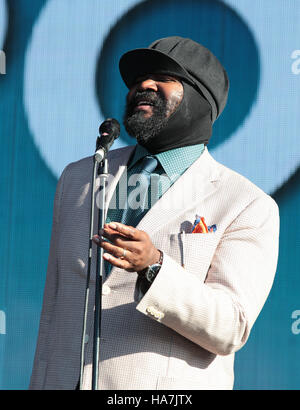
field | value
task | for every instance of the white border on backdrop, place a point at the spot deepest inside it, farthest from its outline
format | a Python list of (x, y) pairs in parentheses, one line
[(3, 22), (269, 134)]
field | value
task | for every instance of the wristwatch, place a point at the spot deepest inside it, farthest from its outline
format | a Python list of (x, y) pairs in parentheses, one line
[(151, 271)]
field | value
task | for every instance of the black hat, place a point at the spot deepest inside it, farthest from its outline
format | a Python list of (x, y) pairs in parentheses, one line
[(183, 58)]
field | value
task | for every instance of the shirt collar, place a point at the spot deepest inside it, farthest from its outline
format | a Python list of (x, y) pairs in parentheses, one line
[(139, 152), (175, 161)]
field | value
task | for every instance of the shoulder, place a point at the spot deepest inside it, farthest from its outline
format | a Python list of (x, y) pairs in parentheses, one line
[(84, 165), (237, 188), (120, 152)]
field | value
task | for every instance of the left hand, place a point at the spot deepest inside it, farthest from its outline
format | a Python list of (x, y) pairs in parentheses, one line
[(128, 248)]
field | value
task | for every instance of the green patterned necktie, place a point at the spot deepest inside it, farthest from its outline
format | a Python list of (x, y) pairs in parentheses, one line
[(140, 199)]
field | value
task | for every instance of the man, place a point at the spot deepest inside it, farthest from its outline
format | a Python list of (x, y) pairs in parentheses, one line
[(186, 279)]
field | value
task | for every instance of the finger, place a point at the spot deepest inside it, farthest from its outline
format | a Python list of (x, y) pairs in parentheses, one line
[(97, 239), (115, 250), (128, 231), (132, 248), (128, 244), (110, 233), (108, 230), (119, 239), (112, 237), (119, 263)]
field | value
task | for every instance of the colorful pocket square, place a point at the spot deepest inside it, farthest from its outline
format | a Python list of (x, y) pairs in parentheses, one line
[(201, 227)]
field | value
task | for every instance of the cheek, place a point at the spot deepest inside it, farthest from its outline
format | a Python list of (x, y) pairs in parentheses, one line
[(174, 99), (177, 95)]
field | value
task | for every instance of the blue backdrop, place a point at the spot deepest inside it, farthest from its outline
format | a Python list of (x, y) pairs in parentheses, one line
[(62, 80)]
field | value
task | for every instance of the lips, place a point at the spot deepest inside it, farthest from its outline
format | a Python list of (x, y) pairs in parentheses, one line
[(143, 105), (145, 98), (143, 102)]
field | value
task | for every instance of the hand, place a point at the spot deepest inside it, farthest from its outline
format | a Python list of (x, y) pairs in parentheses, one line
[(128, 248)]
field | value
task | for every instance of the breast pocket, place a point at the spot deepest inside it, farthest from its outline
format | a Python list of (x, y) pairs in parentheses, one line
[(192, 251)]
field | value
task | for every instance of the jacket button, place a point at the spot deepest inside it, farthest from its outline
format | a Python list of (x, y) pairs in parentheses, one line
[(150, 310), (154, 312)]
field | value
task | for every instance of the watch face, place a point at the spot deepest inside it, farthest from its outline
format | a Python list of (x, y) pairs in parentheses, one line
[(153, 271)]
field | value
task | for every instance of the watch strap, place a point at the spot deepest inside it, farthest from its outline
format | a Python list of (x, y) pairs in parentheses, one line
[(151, 271)]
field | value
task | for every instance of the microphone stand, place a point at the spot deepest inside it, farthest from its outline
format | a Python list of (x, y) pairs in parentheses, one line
[(102, 171)]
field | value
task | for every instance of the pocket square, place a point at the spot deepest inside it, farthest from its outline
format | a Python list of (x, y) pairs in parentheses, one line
[(201, 227)]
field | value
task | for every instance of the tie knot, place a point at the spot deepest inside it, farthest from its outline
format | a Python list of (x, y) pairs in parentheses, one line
[(149, 164)]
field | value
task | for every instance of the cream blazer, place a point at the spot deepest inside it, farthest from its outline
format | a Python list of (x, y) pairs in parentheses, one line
[(183, 333)]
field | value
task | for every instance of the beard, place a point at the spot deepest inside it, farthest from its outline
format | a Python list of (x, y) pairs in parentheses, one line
[(144, 129)]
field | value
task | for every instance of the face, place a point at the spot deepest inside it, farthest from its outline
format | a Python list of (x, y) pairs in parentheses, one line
[(150, 102), (169, 88)]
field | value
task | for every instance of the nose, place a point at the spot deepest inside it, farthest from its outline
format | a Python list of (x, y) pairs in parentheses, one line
[(147, 84)]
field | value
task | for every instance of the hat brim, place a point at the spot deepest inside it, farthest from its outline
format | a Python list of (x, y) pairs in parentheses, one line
[(142, 61)]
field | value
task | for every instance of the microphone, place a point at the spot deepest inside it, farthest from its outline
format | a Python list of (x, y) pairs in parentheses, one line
[(109, 131)]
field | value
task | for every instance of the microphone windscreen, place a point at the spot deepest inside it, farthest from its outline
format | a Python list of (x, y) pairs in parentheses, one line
[(111, 127)]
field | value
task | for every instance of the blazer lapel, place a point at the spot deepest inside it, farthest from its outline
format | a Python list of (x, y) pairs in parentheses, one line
[(197, 183)]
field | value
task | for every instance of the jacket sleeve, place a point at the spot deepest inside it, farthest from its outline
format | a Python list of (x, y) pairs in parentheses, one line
[(50, 291), (219, 313)]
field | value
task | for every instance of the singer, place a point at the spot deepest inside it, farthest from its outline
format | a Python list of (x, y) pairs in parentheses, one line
[(190, 251)]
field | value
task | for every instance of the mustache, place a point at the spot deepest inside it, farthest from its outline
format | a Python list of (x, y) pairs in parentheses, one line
[(150, 97)]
